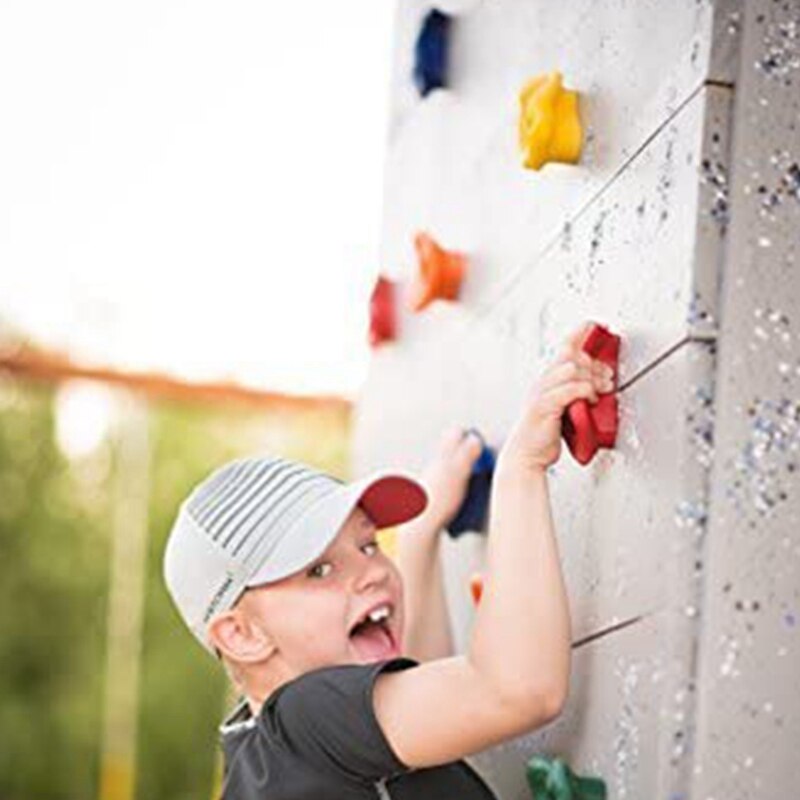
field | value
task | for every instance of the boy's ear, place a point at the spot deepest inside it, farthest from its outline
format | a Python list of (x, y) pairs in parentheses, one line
[(237, 636)]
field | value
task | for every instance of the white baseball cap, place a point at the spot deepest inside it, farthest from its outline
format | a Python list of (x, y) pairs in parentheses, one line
[(256, 520)]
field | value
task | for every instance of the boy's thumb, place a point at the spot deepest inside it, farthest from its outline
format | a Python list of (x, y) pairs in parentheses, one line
[(472, 443)]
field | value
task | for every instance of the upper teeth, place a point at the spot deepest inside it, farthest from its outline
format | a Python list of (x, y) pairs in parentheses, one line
[(379, 614)]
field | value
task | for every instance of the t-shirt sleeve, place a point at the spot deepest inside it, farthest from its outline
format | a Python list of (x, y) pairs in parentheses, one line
[(327, 718)]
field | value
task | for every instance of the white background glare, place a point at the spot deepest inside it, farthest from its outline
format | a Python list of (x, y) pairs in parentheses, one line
[(84, 415), (195, 187)]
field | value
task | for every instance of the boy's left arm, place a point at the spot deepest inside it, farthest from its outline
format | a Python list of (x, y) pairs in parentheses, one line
[(428, 633)]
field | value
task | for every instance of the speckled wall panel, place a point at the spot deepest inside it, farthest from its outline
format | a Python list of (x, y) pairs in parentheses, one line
[(749, 707)]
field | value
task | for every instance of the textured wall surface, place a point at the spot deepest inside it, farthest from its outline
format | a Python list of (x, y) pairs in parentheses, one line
[(748, 725), (660, 232)]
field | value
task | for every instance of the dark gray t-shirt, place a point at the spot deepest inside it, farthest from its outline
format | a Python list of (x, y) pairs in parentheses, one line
[(317, 738)]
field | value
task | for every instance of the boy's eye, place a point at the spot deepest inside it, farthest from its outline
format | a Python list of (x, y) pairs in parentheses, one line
[(323, 568), (318, 569)]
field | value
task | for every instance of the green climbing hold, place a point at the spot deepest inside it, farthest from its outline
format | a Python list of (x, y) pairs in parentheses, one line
[(552, 779)]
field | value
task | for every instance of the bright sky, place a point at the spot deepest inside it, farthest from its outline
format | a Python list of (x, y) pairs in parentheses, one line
[(195, 187)]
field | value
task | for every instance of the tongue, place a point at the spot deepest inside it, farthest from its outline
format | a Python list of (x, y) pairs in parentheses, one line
[(373, 642)]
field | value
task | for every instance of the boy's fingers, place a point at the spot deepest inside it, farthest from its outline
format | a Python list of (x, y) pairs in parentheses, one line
[(563, 373), (451, 438), (471, 447), (472, 436), (600, 374), (472, 441), (601, 368), (593, 366), (461, 443), (555, 401), (568, 353)]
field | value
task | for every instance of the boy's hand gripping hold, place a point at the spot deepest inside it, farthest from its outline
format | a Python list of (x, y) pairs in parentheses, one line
[(448, 472), (535, 440)]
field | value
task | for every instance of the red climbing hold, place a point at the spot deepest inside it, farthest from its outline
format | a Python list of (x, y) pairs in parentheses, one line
[(382, 316), (440, 272), (586, 427)]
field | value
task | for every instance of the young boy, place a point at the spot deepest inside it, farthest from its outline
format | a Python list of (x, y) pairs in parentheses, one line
[(351, 688)]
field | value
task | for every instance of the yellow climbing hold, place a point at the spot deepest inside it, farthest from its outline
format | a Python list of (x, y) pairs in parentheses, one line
[(549, 127)]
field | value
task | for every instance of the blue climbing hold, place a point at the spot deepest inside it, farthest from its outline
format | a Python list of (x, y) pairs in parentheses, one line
[(474, 510), (430, 53)]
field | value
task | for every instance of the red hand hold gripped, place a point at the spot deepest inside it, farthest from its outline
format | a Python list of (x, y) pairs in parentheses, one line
[(586, 427), (382, 314)]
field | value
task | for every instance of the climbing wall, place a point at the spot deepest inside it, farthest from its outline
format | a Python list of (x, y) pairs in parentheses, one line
[(748, 708), (679, 224)]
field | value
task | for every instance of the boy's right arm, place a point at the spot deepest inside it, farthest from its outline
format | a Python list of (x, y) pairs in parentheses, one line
[(515, 674)]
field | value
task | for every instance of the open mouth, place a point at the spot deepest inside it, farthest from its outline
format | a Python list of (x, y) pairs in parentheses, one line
[(373, 636)]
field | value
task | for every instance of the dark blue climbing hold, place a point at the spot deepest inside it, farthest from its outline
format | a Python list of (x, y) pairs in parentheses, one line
[(475, 508), (430, 53)]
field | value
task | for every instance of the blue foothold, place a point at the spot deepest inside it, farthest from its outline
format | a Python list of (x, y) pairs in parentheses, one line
[(430, 53), (474, 510)]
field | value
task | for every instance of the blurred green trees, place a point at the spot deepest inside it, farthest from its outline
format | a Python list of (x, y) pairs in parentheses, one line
[(53, 556), (55, 518)]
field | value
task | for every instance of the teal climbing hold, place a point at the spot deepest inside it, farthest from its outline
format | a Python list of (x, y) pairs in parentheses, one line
[(552, 779)]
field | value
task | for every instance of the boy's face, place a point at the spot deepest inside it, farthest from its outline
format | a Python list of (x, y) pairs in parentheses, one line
[(311, 613)]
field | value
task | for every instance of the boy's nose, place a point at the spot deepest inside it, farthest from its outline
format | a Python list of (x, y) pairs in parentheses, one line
[(370, 575)]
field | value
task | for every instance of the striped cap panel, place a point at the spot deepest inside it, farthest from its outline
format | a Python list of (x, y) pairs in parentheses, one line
[(290, 500), (261, 547), (255, 494), (251, 486), (216, 487)]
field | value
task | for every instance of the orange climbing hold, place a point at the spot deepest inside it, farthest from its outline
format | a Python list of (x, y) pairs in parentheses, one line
[(440, 273), (476, 587), (549, 126)]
